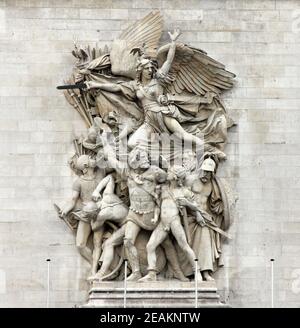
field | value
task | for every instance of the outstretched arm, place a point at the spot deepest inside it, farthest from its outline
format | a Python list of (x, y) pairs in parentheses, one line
[(111, 87), (111, 156), (167, 64)]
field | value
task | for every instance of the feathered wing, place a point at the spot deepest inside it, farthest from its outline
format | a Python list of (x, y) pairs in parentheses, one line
[(195, 72), (146, 31)]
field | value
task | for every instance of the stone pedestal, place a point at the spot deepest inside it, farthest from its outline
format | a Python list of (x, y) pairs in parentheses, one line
[(160, 294)]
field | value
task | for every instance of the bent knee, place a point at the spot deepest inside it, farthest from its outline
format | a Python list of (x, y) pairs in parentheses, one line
[(80, 246), (101, 218)]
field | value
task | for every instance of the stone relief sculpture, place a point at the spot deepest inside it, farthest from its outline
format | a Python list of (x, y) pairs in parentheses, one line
[(159, 206)]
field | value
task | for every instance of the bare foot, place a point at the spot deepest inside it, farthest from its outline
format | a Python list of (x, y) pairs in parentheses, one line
[(207, 276), (134, 276), (99, 276), (180, 276), (91, 278), (149, 277)]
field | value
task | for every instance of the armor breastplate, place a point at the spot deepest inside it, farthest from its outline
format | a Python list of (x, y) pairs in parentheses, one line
[(140, 201)]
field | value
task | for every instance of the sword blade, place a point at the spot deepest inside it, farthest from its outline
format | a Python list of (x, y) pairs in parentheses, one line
[(72, 86)]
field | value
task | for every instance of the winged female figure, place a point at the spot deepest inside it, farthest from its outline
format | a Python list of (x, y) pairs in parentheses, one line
[(148, 90), (175, 89)]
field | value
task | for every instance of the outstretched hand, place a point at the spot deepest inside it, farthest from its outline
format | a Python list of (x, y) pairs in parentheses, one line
[(174, 36), (91, 85)]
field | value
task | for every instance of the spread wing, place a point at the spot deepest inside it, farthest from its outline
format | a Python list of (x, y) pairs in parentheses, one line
[(194, 71), (146, 31)]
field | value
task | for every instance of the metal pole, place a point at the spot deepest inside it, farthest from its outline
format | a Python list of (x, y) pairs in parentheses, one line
[(125, 284), (272, 283), (196, 283), (48, 282)]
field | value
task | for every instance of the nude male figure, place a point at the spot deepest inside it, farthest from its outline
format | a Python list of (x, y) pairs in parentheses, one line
[(170, 221)]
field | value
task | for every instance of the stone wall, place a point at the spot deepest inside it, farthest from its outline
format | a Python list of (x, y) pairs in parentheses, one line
[(258, 40)]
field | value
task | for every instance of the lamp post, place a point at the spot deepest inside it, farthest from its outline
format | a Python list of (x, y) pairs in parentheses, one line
[(272, 283), (196, 283), (125, 284), (48, 282)]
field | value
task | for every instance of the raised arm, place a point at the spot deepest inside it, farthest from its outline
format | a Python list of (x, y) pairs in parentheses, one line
[(111, 156), (167, 64), (102, 184)]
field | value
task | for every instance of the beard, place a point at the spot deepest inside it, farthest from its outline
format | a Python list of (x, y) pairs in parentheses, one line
[(144, 165), (189, 167)]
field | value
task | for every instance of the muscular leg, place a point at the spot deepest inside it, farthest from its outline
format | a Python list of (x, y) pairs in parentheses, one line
[(142, 134), (97, 238), (157, 237), (83, 231), (180, 237), (98, 224), (172, 257), (174, 126), (131, 232), (115, 239)]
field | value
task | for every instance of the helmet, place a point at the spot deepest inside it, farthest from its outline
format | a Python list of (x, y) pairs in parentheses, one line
[(82, 162), (208, 165), (178, 171)]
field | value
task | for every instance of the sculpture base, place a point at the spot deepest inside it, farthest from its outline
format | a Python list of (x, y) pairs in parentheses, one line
[(158, 294)]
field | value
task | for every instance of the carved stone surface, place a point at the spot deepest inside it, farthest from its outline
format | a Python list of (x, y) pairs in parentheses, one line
[(147, 187), (158, 294), (257, 40)]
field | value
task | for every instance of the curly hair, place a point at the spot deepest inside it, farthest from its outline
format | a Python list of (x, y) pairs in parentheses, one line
[(134, 156), (179, 171), (145, 60)]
